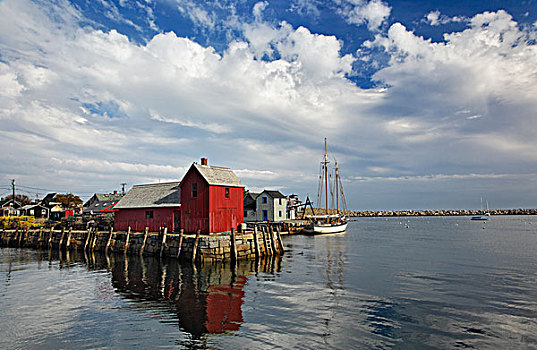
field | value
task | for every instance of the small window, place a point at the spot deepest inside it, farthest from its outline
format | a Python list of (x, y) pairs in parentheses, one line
[(245, 213), (264, 200), (280, 213), (227, 192), (280, 202), (149, 214), (194, 190)]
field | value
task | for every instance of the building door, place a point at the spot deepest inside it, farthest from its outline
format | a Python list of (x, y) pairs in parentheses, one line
[(265, 215)]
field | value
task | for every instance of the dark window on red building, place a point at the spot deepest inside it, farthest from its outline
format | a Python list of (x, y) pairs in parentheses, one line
[(149, 214), (194, 190), (227, 192)]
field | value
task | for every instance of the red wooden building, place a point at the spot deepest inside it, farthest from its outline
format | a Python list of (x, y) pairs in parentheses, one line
[(153, 206), (211, 199)]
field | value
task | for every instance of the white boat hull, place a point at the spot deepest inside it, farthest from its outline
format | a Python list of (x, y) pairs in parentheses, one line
[(327, 228)]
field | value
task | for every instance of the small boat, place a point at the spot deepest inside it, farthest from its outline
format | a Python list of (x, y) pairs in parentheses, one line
[(483, 217), (327, 223)]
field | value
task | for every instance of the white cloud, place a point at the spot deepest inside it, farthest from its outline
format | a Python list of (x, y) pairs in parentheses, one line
[(263, 105), (197, 14), (212, 127), (441, 177), (371, 12), (8, 80), (258, 9), (435, 18)]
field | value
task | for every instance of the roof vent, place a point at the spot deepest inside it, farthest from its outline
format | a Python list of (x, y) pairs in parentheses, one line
[(203, 161)]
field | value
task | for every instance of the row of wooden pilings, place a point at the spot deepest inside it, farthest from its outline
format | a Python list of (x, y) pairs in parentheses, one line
[(267, 241)]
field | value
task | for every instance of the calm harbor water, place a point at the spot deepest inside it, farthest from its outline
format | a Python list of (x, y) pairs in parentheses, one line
[(442, 282)]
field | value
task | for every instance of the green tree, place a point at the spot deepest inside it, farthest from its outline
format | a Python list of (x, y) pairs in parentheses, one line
[(68, 200), (21, 198)]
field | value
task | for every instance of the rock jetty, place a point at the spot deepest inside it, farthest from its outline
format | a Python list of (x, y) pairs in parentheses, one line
[(447, 212)]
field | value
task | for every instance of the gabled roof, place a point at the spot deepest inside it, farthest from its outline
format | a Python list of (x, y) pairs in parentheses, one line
[(100, 201), (151, 196), (218, 176), (30, 206), (14, 203), (49, 198), (101, 197), (252, 195), (273, 194), (100, 206), (249, 200)]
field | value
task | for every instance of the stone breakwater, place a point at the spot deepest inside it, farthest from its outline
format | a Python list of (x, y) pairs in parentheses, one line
[(191, 247), (452, 212)]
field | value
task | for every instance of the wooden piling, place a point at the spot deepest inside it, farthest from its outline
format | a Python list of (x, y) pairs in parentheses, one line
[(21, 238), (163, 244), (50, 238), (265, 245), (40, 238), (142, 248), (16, 234), (61, 238), (87, 239), (195, 247), (68, 243), (280, 243), (95, 234), (256, 243), (127, 239), (109, 241), (233, 246), (181, 232), (272, 240)]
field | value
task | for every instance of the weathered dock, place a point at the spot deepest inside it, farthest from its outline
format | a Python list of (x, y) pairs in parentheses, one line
[(261, 242)]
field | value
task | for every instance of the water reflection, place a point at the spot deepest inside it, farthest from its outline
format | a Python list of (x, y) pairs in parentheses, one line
[(432, 286), (206, 299)]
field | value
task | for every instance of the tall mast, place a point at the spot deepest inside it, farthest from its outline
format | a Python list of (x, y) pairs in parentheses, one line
[(337, 188), (325, 169)]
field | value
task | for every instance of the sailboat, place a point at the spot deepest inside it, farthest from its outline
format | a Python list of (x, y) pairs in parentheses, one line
[(485, 216), (327, 223)]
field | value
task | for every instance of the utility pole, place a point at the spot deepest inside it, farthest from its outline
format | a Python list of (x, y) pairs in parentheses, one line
[(13, 185), (123, 187)]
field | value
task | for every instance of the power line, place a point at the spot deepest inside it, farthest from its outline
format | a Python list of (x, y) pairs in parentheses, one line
[(49, 190), (25, 188)]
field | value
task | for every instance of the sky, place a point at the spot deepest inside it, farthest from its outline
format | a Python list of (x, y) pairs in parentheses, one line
[(425, 104)]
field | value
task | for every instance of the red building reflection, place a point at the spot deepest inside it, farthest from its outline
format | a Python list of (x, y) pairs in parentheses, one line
[(206, 299)]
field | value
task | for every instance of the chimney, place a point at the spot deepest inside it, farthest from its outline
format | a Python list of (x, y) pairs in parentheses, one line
[(203, 161)]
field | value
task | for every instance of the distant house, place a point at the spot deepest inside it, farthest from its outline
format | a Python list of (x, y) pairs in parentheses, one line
[(250, 208), (49, 201), (151, 205), (101, 203), (271, 206), (293, 206), (211, 199), (36, 210), (10, 207), (56, 209)]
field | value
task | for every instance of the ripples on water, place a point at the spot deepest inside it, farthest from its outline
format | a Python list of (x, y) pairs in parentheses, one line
[(386, 283)]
